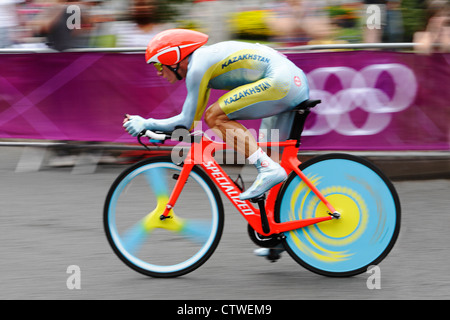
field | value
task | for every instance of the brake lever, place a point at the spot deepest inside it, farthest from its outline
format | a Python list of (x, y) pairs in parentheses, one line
[(141, 134)]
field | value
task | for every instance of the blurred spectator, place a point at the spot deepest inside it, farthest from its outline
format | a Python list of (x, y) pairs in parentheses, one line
[(24, 36), (102, 17), (52, 24), (394, 22), (300, 21), (141, 27), (209, 17), (8, 22), (436, 36)]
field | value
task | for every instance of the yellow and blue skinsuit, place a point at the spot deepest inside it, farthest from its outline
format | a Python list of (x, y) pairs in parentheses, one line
[(261, 83)]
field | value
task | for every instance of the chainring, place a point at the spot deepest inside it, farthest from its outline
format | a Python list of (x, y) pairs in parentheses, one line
[(263, 241)]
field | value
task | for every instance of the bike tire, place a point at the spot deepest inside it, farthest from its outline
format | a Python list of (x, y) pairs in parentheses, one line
[(162, 248), (370, 215)]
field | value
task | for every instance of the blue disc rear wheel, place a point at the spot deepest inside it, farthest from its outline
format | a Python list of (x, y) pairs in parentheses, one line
[(369, 208)]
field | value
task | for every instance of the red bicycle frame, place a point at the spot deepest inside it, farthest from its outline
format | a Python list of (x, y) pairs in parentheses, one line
[(201, 152)]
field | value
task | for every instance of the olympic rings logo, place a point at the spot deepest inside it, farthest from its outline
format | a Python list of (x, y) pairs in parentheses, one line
[(359, 91)]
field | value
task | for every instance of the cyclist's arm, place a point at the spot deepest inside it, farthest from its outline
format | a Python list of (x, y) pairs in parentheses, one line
[(135, 124), (184, 119), (193, 107)]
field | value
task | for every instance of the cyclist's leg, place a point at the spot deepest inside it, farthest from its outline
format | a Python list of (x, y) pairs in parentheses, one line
[(281, 91), (263, 98), (274, 129), (236, 135), (278, 126), (232, 132)]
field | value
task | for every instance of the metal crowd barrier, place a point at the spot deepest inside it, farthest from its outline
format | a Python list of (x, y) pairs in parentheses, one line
[(336, 46)]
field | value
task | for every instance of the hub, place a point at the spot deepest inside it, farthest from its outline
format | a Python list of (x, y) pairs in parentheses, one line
[(335, 215)]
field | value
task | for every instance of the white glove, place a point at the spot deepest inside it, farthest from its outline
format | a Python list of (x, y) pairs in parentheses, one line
[(136, 124)]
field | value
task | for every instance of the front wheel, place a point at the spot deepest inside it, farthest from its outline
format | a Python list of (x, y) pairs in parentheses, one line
[(162, 247), (370, 215)]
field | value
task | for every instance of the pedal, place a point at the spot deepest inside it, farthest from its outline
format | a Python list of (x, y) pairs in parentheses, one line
[(259, 199), (273, 255)]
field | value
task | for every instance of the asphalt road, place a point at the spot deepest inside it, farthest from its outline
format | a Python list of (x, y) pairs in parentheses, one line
[(52, 219)]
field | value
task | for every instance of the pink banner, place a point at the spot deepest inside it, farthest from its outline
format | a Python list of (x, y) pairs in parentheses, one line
[(371, 100)]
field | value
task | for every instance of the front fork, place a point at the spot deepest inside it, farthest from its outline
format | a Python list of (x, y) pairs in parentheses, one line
[(181, 180)]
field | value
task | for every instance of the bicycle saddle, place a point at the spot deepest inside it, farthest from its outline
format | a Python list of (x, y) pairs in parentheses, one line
[(307, 104)]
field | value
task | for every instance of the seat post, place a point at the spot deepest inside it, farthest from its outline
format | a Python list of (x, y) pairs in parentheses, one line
[(301, 113), (262, 210)]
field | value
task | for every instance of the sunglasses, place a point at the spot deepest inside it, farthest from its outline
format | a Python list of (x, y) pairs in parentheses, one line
[(158, 66)]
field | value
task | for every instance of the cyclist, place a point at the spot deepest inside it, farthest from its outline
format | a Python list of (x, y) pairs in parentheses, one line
[(261, 83)]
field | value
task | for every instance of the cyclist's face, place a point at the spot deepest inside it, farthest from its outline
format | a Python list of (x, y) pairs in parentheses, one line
[(167, 74)]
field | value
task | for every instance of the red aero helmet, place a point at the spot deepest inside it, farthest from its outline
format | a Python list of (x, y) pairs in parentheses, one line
[(171, 46)]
